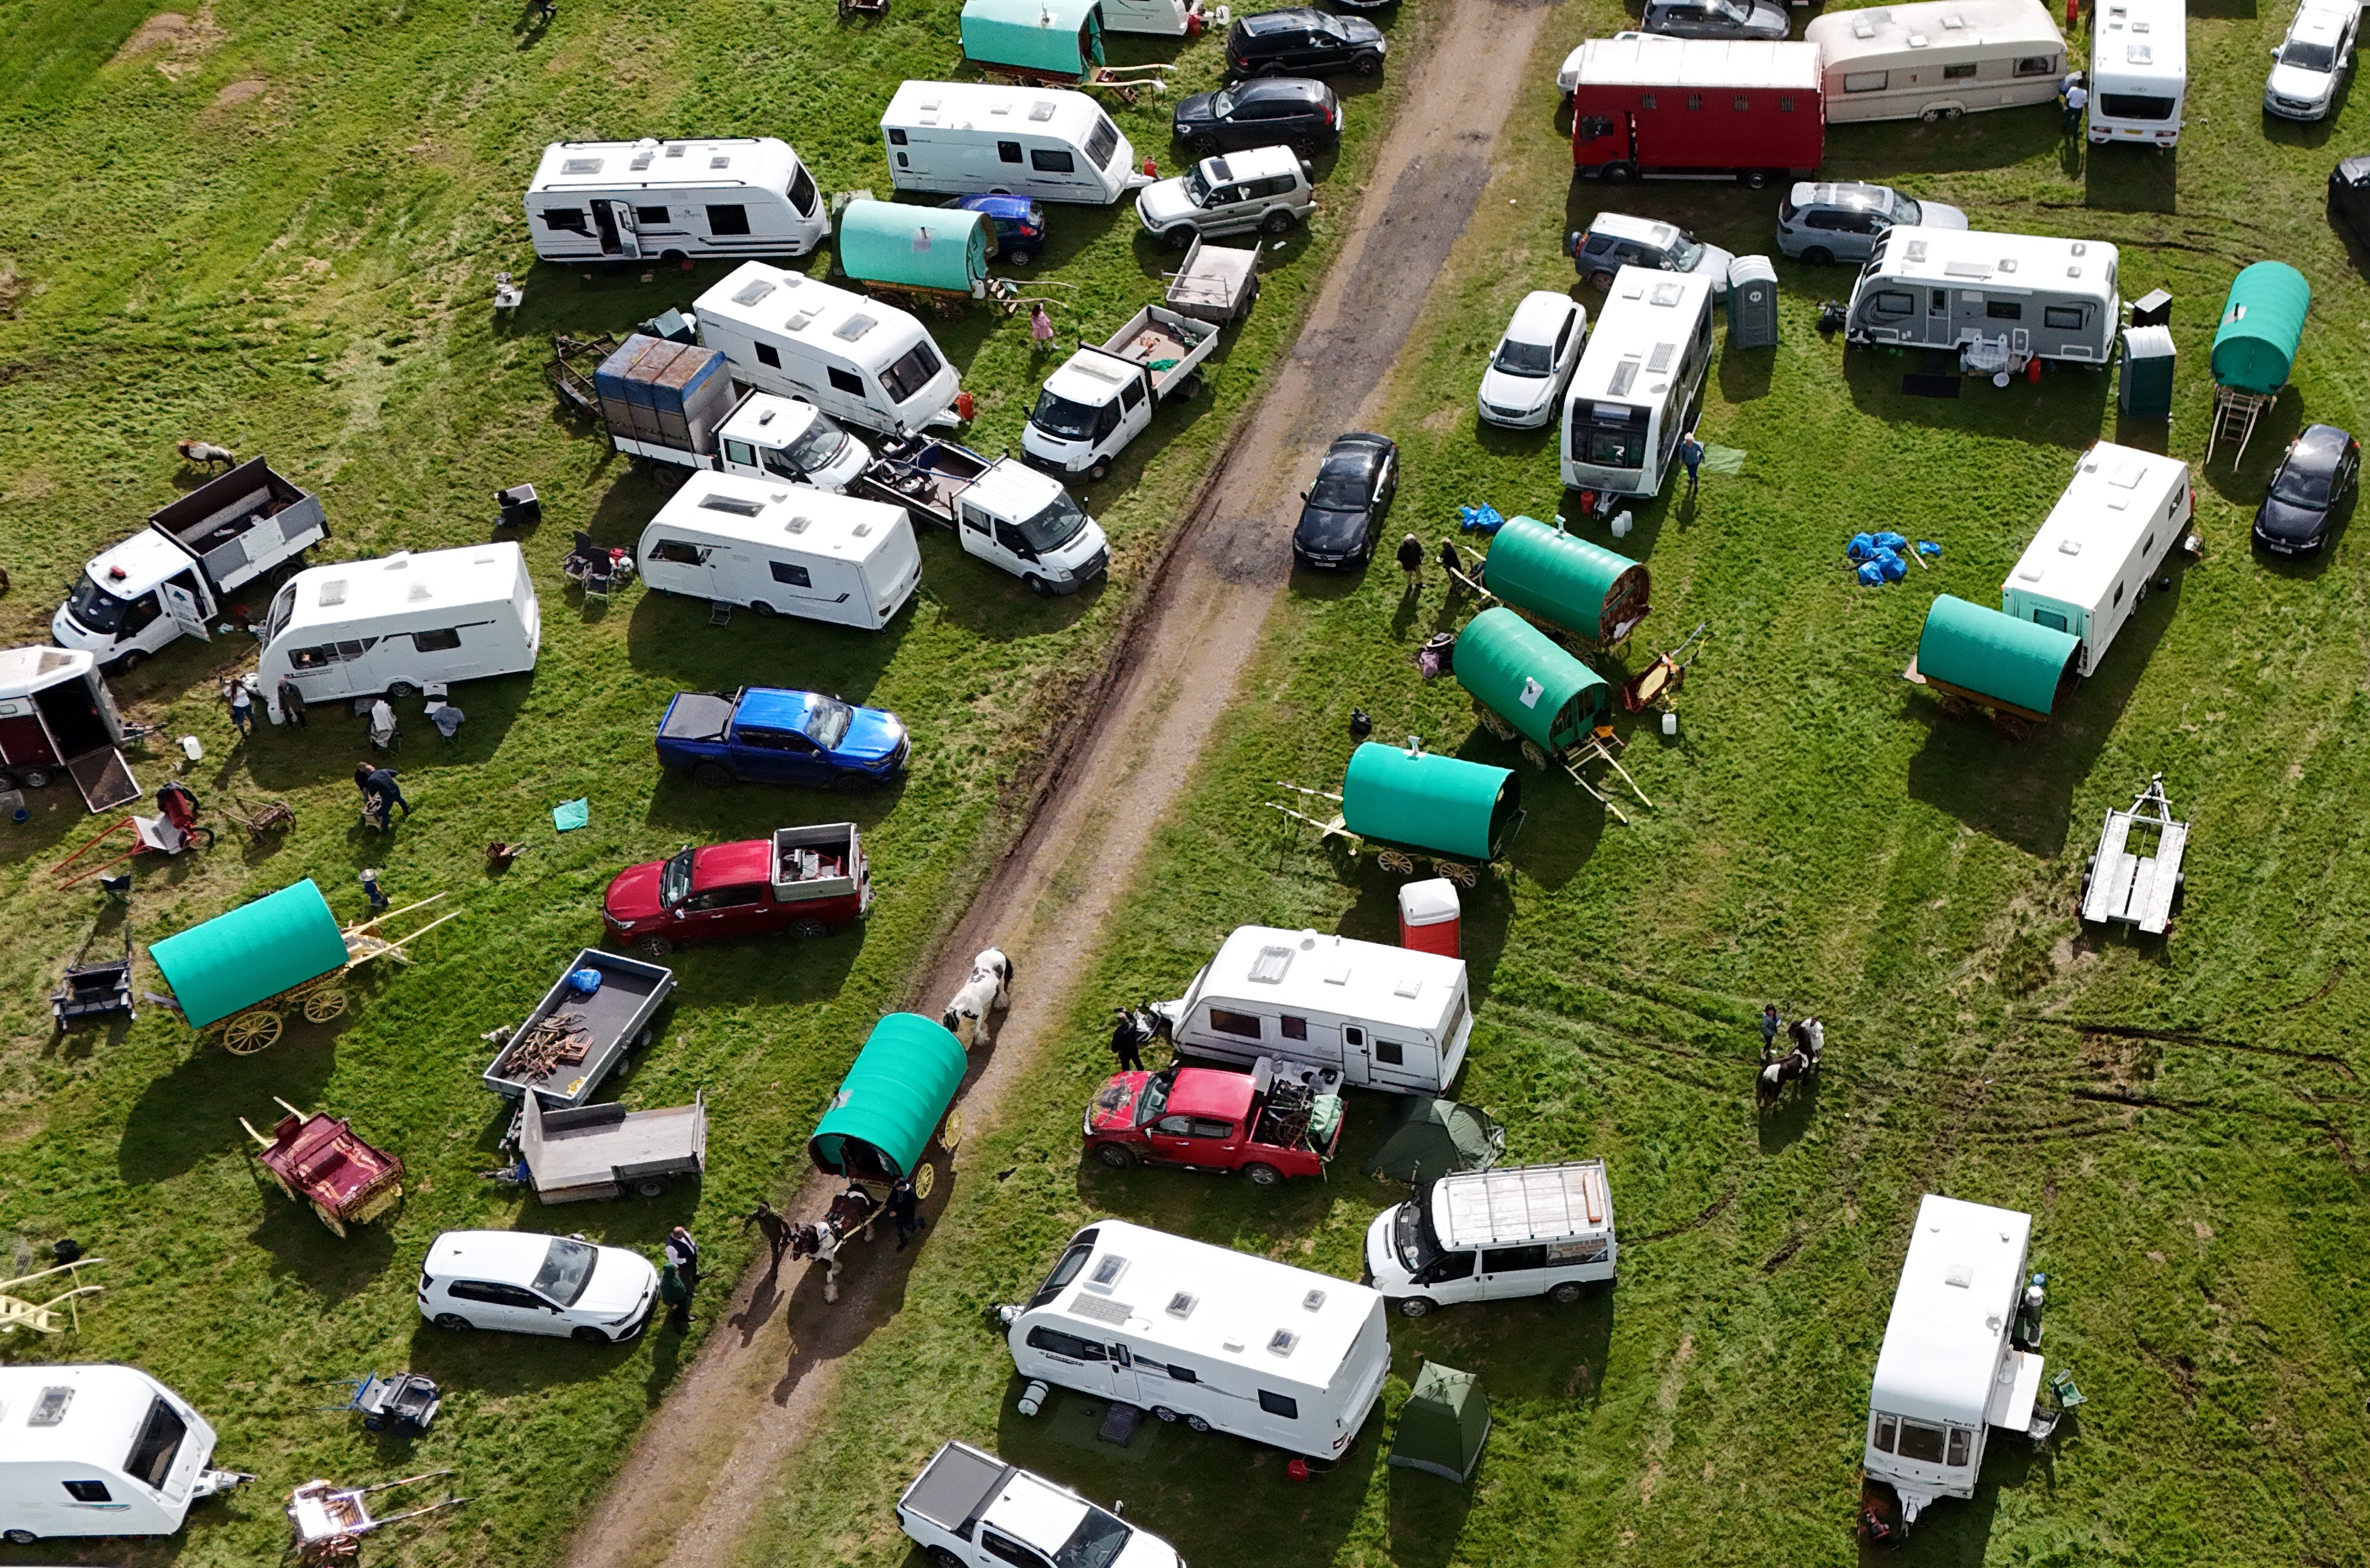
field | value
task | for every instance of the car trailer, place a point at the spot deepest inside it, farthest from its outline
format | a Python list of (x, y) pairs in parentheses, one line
[(2135, 877), (1217, 283)]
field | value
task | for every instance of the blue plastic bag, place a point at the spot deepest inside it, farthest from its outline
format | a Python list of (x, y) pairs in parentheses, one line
[(584, 982), (1888, 540), (1862, 548), (1481, 519), (1872, 574), (1928, 547), (1890, 567)]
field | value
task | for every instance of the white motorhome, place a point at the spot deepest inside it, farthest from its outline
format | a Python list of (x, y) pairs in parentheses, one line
[(782, 549), (2090, 567), (2012, 297), (1495, 1235), (857, 360), (401, 623), (1207, 1335), (1384, 1017), (968, 138), (1634, 394), (2139, 71), (1949, 1370), (1937, 60), (99, 1449), (674, 201)]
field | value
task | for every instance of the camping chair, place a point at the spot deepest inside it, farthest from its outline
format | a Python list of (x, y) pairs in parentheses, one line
[(386, 731), (600, 575)]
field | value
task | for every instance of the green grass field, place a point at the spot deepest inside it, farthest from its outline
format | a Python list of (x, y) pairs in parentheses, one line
[(1824, 837), (277, 227)]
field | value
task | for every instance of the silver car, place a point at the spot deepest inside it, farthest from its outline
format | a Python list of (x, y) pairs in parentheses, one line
[(1823, 222), (1267, 189)]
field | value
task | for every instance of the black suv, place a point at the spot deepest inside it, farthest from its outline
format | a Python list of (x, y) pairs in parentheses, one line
[(1277, 111), (1304, 43)]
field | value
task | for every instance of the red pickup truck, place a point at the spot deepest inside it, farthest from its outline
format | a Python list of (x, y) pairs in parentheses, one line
[(802, 881), (1269, 1122)]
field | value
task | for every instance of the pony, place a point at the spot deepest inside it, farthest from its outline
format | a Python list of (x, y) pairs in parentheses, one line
[(1809, 1043), (969, 1015), (202, 454), (848, 1216)]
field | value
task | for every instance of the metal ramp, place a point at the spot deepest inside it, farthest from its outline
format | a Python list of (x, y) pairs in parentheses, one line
[(2235, 413), (104, 779), (2135, 878)]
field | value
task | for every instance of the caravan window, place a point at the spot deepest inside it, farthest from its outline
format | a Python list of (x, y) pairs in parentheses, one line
[(796, 576), (728, 220), (1390, 1052), (1887, 1429), (1292, 1028), (1894, 302), (679, 552), (2037, 65), (1066, 1269), (846, 381), (1054, 1342), (1007, 151), (2066, 317), (654, 216), (1048, 160), (1958, 1446), (2049, 618), (1959, 73), (802, 189), (2003, 310), (1102, 141), (2134, 106), (1280, 1404), (151, 1460), (1864, 82), (435, 641), (1244, 1026), (1921, 1442), (896, 137), (911, 372), (88, 1491), (570, 219)]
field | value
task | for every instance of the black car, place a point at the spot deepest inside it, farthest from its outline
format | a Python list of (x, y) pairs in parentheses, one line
[(1351, 496), (1304, 43), (1275, 111), (2349, 198), (2315, 474)]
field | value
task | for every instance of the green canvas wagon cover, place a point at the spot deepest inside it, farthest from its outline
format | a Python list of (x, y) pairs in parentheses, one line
[(1513, 669), (1566, 581), (1995, 657), (921, 248), (1441, 805), (231, 962), (894, 1097), (2255, 346), (1443, 1424), (1060, 36)]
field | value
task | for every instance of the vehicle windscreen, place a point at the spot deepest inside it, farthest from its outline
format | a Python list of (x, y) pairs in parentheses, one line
[(1687, 253), (1197, 186), (911, 372), (567, 1270), (1340, 487), (1094, 1543), (1060, 418), (827, 722), (1523, 359), (2306, 56), (675, 879), (96, 610), (1411, 1236), (1152, 1101), (1326, 22), (1222, 105), (153, 1452), (1056, 525), (2303, 484), (1733, 15), (1905, 210), (2134, 106), (820, 446), (283, 606)]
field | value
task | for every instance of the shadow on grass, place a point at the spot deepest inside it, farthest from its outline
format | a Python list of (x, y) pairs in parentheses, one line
[(1784, 1123), (2069, 406), (303, 1250), (2242, 484), (500, 1364), (1529, 1351), (671, 638), (2130, 179), (190, 1114), (1885, 150), (1426, 1514)]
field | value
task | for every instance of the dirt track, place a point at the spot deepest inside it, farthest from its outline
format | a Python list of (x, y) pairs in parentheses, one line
[(705, 1462)]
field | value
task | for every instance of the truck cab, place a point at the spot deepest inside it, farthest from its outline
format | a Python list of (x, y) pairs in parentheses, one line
[(969, 1509), (1269, 1123), (1101, 398), (1024, 522), (802, 883), (131, 600), (775, 437), (769, 735)]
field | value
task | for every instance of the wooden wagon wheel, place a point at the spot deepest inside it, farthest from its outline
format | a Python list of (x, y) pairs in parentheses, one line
[(1495, 725), (329, 1218), (1458, 873), (283, 1185), (1391, 861), (952, 1133), (323, 1006), (1533, 755), (923, 1180), (250, 1033)]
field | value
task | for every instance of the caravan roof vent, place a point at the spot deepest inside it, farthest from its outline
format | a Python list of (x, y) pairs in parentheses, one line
[(801, 319), (1665, 295), (999, 107), (1952, 21), (1108, 1273), (719, 161), (580, 166), (1269, 967), (752, 291), (1863, 28), (1960, 1274), (1917, 251), (930, 104), (418, 593), (1281, 1342), (855, 327), (641, 160), (397, 561), (333, 592), (1041, 110), (1625, 375), (1918, 41), (51, 1408), (1313, 1301), (1115, 1313), (797, 525), (2139, 53), (1409, 988), (676, 151), (740, 506), (2080, 248), (2069, 547), (1181, 1305), (862, 530), (1660, 359)]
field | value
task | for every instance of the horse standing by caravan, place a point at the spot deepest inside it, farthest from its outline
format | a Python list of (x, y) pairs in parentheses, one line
[(970, 1016)]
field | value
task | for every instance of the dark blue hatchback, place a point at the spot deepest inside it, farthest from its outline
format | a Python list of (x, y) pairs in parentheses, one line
[(1019, 225)]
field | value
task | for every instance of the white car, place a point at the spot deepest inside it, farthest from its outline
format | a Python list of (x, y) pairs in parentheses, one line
[(1523, 386), (1267, 189), (523, 1282), (969, 1509), (2306, 66)]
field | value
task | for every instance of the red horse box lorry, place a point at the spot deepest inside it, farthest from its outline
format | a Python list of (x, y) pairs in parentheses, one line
[(1697, 108)]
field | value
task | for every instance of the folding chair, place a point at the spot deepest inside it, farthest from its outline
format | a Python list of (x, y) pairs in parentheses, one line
[(599, 577)]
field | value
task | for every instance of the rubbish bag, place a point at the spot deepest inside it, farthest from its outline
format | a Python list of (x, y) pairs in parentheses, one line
[(1862, 548), (1928, 547), (1888, 540), (583, 981), (1890, 567), (1872, 574)]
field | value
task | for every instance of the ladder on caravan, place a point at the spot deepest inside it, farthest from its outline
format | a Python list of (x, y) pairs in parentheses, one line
[(2235, 413)]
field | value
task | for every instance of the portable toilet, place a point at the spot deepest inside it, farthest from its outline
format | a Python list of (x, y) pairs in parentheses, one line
[(2144, 389), (1443, 1424), (1429, 918), (1752, 303), (917, 248)]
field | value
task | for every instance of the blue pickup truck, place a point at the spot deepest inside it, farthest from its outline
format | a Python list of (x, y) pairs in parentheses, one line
[(769, 735)]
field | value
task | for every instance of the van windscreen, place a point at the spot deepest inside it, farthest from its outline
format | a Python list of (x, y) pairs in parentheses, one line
[(1102, 141), (153, 1452)]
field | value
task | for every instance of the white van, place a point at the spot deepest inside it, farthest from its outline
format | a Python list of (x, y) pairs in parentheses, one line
[(1384, 1017), (1937, 60), (968, 138), (2139, 71), (857, 360), (1207, 1335), (99, 1450), (2090, 567), (674, 201), (1495, 1235), (782, 549), (1634, 393), (400, 623)]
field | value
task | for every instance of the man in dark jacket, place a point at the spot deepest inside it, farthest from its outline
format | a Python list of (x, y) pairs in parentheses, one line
[(1127, 1042), (1410, 559), (905, 1209)]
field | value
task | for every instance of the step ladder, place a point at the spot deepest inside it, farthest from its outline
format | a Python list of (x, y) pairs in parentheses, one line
[(2235, 413), (718, 612)]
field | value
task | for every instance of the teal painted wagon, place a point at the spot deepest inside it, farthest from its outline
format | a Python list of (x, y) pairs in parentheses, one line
[(1044, 43), (897, 1095), (935, 255), (1564, 581), (1524, 684), (1409, 804), (2255, 348), (2014, 670)]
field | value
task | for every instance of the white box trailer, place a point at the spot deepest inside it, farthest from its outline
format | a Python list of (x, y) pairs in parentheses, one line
[(1949, 1370), (2011, 296), (782, 549), (57, 716), (1207, 1335), (1384, 1017), (99, 1449), (2139, 71), (854, 358), (1937, 60), (673, 200), (400, 623), (1634, 392), (2090, 566), (975, 138)]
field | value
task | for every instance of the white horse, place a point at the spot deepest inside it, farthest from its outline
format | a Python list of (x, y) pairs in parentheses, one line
[(970, 1017)]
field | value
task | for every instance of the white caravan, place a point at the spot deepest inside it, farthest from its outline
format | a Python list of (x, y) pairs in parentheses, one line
[(1937, 60), (782, 549), (1207, 1335), (857, 360), (674, 201), (1384, 1017), (1494, 1235), (1949, 1370), (401, 623), (2139, 71), (1167, 18), (1634, 394), (966, 138), (2088, 568), (99, 1449), (2012, 297)]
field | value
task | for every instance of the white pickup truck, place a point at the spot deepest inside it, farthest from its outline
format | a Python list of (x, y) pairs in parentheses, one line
[(969, 1509), (1101, 398), (1004, 512)]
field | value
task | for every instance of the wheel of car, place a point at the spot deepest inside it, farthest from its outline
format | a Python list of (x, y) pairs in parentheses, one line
[(1018, 256), (711, 776), (1203, 146), (761, 609), (587, 1335), (946, 1559), (1118, 1156), (1278, 221), (1415, 1306), (853, 783), (809, 929), (18, 1538), (1567, 1293), (453, 1321), (128, 663), (1819, 255), (654, 947), (1366, 63), (1099, 470), (1179, 238), (1273, 68), (1162, 1412), (402, 690), (1263, 1175), (1190, 388), (1602, 282), (1620, 173), (1308, 147), (1197, 1423), (648, 1187)]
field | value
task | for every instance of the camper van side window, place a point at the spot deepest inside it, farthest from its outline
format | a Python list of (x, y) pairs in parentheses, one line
[(1007, 151), (310, 658), (655, 217), (728, 220), (1390, 1052), (1292, 1028), (1279, 1405), (1887, 1428), (151, 1460), (1510, 1260), (803, 191), (1049, 160), (2068, 316), (1959, 73), (2037, 65), (1054, 1342), (1244, 1025), (846, 381), (2119, 593), (796, 576), (1958, 1455), (1892, 302), (1354, 1038), (569, 219), (896, 137), (88, 1491), (768, 355), (1921, 1442), (435, 641)]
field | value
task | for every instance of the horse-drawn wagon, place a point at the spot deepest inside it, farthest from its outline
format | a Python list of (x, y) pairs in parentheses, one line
[(1049, 43), (1522, 684), (1564, 583), (930, 258), (1408, 803), (896, 1097), (318, 1160)]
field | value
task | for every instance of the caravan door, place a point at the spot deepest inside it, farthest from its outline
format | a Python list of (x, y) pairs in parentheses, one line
[(1126, 1386), (614, 223), (180, 600)]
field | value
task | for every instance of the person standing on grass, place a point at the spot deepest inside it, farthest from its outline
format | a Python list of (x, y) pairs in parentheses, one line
[(683, 1253), (1768, 1026), (1041, 326), (1691, 455), (677, 1298), (1451, 563), (771, 1226), (905, 1209), (2077, 98), (292, 703), (1127, 1043), (1410, 559), (242, 706)]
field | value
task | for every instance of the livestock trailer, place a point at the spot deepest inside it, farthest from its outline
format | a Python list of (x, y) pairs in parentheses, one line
[(56, 716), (1648, 106), (1565, 581), (1937, 59), (2012, 297)]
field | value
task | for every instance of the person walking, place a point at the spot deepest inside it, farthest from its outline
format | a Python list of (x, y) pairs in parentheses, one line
[(684, 1253), (905, 1209), (1450, 564), (771, 1226), (381, 795), (292, 703), (1691, 453), (242, 706), (378, 895), (677, 1298), (2078, 99), (1411, 558), (1127, 1042), (1041, 326)]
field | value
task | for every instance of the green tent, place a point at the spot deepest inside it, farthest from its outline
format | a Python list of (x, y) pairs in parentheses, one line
[(1567, 580), (1435, 1138), (1062, 36), (231, 962), (1443, 1424), (892, 1099), (2263, 321), (1513, 671), (1996, 658), (1441, 805), (922, 247)]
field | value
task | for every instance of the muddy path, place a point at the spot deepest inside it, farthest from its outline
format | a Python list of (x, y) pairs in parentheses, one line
[(709, 1457)]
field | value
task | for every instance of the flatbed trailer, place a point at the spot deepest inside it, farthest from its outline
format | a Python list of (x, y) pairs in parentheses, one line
[(605, 1151), (2135, 878), (610, 1020)]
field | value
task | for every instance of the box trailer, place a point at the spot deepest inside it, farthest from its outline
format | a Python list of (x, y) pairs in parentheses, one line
[(1207, 1335), (1634, 393), (782, 551), (672, 200), (1937, 60), (606, 1151), (675, 403), (2113, 528), (57, 716), (2139, 71), (971, 138), (401, 623), (856, 358), (99, 1450), (1645, 106), (2000, 299)]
